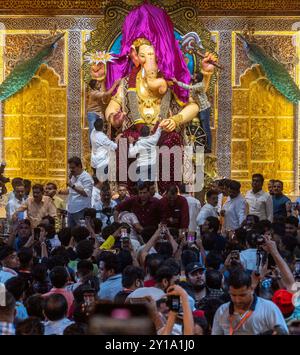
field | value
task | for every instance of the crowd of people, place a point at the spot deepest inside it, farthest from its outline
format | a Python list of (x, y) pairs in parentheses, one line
[(142, 263)]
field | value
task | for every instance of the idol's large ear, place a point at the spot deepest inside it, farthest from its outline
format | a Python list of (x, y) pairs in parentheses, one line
[(134, 56)]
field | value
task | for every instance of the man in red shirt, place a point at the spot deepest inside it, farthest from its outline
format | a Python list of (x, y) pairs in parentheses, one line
[(145, 207), (174, 209)]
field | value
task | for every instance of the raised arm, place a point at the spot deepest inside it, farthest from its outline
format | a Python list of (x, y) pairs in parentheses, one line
[(286, 274), (151, 242)]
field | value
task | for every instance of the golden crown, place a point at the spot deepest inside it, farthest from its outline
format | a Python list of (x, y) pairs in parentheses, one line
[(140, 41)]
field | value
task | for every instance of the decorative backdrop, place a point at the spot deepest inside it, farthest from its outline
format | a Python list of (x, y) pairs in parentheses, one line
[(233, 138)]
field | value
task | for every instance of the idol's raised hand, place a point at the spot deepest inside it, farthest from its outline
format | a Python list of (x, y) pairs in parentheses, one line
[(206, 66)]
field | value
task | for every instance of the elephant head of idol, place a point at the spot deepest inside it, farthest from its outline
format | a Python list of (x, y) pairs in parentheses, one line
[(143, 54)]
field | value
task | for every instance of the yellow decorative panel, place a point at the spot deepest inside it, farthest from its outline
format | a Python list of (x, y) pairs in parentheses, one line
[(34, 168), (57, 101), (13, 153), (57, 126), (240, 126), (57, 150), (240, 155), (241, 97), (285, 128), (262, 95), (265, 168), (14, 106), (266, 129), (285, 153), (262, 138), (34, 138), (13, 125), (36, 97), (35, 130)]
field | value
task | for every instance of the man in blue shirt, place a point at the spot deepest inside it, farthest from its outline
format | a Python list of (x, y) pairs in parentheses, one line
[(110, 275), (279, 200)]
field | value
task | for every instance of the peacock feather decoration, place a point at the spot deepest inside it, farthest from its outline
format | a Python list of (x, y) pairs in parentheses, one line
[(275, 71), (24, 71)]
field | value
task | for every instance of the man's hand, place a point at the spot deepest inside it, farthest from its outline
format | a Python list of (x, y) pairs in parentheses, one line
[(270, 246), (176, 290), (118, 137), (117, 233), (117, 119), (30, 242), (72, 243), (70, 183), (130, 140), (168, 125)]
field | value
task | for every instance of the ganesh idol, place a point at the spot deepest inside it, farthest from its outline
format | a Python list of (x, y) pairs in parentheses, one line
[(150, 57)]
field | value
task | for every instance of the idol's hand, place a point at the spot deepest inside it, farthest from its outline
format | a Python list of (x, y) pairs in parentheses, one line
[(168, 125), (206, 66)]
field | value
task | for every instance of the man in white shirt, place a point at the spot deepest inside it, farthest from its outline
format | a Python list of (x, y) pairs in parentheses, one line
[(209, 209), (194, 208), (80, 192), (145, 152), (101, 148), (246, 314), (105, 207), (14, 183), (16, 201), (260, 202), (235, 208), (96, 191)]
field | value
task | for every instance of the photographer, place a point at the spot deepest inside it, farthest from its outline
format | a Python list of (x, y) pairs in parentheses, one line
[(188, 321)]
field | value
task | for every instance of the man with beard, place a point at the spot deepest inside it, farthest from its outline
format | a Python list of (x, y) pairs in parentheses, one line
[(196, 281)]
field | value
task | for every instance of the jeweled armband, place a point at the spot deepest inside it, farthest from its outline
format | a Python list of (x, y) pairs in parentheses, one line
[(177, 119)]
